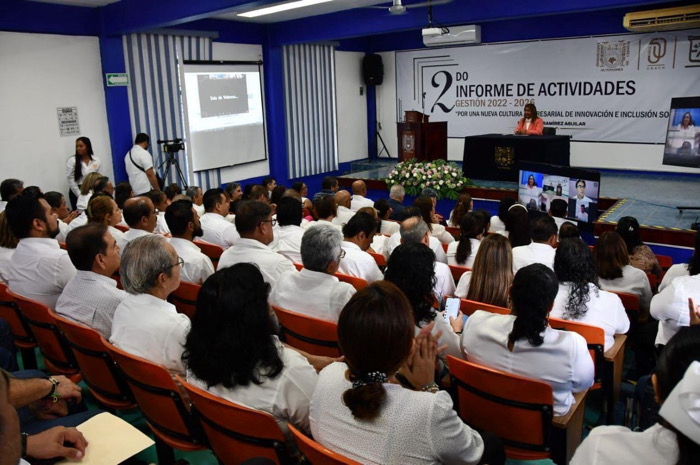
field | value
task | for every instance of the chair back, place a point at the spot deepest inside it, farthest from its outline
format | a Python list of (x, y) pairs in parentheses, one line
[(444, 246), (458, 271), (595, 339), (665, 261), (312, 335), (298, 266), (315, 453), (379, 259), (159, 400), (9, 311), (518, 410), (549, 131), (653, 282), (236, 433), (102, 376), (357, 283), (121, 227), (212, 251), (629, 301), (455, 231), (62, 245), (470, 306), (185, 298)]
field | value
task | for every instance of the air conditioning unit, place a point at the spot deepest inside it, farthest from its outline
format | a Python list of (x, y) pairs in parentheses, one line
[(667, 19), (453, 35)]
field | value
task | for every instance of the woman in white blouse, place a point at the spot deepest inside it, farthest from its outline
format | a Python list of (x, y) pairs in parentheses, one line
[(103, 209), (472, 229), (522, 343), (360, 410), (427, 210), (683, 269), (79, 165), (580, 298)]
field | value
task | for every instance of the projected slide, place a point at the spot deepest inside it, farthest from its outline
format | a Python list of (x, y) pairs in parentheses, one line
[(225, 114)]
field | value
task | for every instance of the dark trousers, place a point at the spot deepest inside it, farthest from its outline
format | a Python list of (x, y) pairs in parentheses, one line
[(8, 353), (494, 452), (73, 200)]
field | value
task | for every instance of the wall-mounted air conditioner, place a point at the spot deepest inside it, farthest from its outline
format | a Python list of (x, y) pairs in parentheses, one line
[(666, 19)]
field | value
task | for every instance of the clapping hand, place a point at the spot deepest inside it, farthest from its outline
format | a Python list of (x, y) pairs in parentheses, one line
[(694, 312)]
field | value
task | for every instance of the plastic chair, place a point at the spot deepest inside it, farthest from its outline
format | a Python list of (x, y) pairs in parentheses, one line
[(102, 376), (58, 356), (379, 259), (357, 283), (62, 245), (161, 404), (121, 227), (629, 301), (455, 231), (470, 306), (315, 453), (653, 282), (298, 266), (444, 246), (312, 335), (237, 433), (212, 251), (21, 332), (458, 271), (185, 298), (665, 261)]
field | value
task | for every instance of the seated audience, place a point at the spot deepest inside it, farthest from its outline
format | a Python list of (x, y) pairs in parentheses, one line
[(171, 191), (103, 186), (641, 256), (435, 243), (432, 193), (464, 205), (683, 269), (59, 207), (160, 202), (259, 194), (580, 298), (290, 232), (427, 208), (326, 211), (670, 306), (91, 297), (358, 235), (567, 230), (384, 212), (615, 271), (498, 222), (184, 226), (140, 215), (543, 233), (359, 196), (343, 212), (675, 439), (472, 229), (9, 188), (104, 210), (269, 183), (8, 243), (396, 195), (122, 192), (522, 343), (300, 188), (379, 241), (254, 224), (39, 269), (216, 229), (490, 279), (558, 210), (358, 404), (145, 324), (329, 186), (87, 188), (518, 226), (277, 194), (314, 291), (197, 197)]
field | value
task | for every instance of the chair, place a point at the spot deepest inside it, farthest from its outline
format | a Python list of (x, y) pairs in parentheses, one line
[(665, 261), (21, 332), (312, 335), (298, 266), (102, 376), (62, 245), (237, 433), (518, 410), (444, 246), (58, 356), (470, 306), (212, 251), (315, 453), (549, 131), (653, 282), (357, 283), (379, 259), (185, 298), (161, 404), (121, 227), (455, 231), (629, 301), (458, 271)]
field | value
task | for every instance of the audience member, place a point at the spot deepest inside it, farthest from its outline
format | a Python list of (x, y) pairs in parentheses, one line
[(104, 210), (235, 194), (522, 343), (359, 196), (490, 279), (358, 235), (543, 233), (518, 226), (498, 223), (472, 229), (435, 243), (329, 186), (183, 222), (641, 256), (103, 186), (464, 205), (427, 208), (8, 243), (197, 197), (343, 212), (139, 166), (432, 193), (122, 192), (145, 324), (91, 297), (326, 211), (379, 241), (269, 183), (59, 207), (9, 188), (303, 191), (670, 305), (160, 202), (567, 230), (396, 196), (140, 215), (259, 194), (277, 194), (683, 269), (87, 188), (290, 233), (216, 229), (171, 191), (384, 212), (558, 210)]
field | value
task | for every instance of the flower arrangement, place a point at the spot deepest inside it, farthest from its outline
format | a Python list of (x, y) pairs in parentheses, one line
[(445, 178)]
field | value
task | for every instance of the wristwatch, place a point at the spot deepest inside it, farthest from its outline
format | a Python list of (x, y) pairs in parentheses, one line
[(24, 437), (53, 395)]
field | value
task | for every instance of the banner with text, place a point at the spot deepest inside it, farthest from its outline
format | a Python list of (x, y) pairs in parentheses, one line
[(608, 88)]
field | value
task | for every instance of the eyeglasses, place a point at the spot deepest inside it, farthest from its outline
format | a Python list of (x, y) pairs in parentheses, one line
[(179, 263), (272, 221), (342, 255)]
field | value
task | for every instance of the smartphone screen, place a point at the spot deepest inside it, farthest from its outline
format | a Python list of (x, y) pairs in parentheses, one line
[(451, 307)]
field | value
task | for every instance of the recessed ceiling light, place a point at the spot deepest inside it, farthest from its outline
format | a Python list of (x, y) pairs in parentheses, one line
[(282, 7)]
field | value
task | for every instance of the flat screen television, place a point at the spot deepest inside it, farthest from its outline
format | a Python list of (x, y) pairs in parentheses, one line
[(682, 147)]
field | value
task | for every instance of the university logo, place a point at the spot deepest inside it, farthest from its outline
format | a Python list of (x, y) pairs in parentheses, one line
[(613, 56), (694, 51), (656, 50)]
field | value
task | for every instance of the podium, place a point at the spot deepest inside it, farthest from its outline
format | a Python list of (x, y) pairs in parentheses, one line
[(420, 139)]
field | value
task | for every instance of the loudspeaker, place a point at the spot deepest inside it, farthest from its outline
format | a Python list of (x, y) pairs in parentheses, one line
[(372, 69)]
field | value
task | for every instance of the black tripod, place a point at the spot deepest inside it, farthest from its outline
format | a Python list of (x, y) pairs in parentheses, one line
[(384, 149), (170, 160)]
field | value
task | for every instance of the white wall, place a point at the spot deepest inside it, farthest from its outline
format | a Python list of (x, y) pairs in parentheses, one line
[(39, 73), (351, 106)]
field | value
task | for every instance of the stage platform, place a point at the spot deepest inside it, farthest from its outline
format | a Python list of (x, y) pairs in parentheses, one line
[(652, 198)]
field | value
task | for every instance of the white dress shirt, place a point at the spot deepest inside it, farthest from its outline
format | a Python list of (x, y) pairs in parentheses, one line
[(151, 328), (312, 293), (311, 224), (91, 299), (39, 270), (562, 361), (161, 224), (395, 241), (80, 220), (389, 227), (137, 178), (117, 234), (463, 285), (452, 253), (289, 242), (5, 259), (344, 215), (359, 201), (439, 232), (218, 231), (430, 431), (670, 306), (63, 230), (497, 225), (93, 165), (604, 309), (680, 269), (83, 201), (3, 204), (445, 284), (270, 263), (197, 267), (199, 209), (129, 236), (633, 281), (359, 263), (535, 252)]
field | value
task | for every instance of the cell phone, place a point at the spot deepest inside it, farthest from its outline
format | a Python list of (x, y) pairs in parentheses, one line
[(451, 308)]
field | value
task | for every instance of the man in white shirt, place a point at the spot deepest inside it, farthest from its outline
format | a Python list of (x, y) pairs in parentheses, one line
[(195, 194), (92, 296), (139, 166), (434, 243), (145, 324), (214, 225), (39, 269), (543, 233), (314, 291), (254, 223), (290, 233), (344, 213), (9, 188), (140, 215), (358, 235), (359, 199), (183, 222), (557, 210), (670, 306)]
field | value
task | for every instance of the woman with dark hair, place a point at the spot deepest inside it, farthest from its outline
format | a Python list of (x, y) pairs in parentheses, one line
[(530, 124), (580, 298), (498, 222), (303, 190), (427, 211), (615, 271), (490, 278), (277, 193), (472, 229), (464, 205), (232, 352), (684, 269), (518, 226), (687, 126), (641, 256), (360, 410), (57, 202), (384, 211), (79, 165), (522, 343), (325, 209), (675, 439)]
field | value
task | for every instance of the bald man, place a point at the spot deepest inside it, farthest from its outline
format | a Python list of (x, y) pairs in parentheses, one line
[(140, 215), (343, 200), (359, 200)]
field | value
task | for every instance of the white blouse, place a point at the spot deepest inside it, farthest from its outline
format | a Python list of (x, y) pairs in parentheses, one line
[(94, 165), (633, 281), (670, 306), (680, 269), (497, 225), (452, 253), (463, 285), (439, 232)]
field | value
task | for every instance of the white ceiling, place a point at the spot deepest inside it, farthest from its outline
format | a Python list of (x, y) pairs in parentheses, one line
[(313, 10), (88, 3)]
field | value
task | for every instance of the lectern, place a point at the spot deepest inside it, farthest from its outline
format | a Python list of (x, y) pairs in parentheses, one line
[(420, 139)]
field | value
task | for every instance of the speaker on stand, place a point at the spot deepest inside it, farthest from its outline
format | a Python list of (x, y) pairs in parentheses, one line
[(373, 75)]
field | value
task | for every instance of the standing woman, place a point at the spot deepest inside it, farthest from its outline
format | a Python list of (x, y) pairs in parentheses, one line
[(77, 166)]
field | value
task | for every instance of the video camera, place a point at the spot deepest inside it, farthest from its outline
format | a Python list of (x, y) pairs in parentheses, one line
[(172, 146)]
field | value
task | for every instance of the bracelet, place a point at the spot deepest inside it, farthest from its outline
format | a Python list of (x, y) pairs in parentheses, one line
[(24, 444), (430, 387), (54, 395)]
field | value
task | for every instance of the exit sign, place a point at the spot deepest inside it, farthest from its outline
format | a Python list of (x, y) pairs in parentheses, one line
[(117, 79)]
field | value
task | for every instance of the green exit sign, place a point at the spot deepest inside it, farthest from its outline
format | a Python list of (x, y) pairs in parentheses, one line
[(117, 79)]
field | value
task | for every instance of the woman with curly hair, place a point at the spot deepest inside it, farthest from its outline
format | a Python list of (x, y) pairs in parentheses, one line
[(522, 343), (472, 230), (641, 256), (465, 204), (580, 298)]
